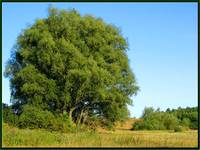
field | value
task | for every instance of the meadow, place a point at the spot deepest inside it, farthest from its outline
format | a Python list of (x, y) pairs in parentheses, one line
[(121, 137)]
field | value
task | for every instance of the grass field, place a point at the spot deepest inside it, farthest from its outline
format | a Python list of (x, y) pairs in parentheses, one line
[(14, 137)]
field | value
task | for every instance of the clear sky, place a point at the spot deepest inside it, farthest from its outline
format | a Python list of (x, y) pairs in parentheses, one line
[(162, 39)]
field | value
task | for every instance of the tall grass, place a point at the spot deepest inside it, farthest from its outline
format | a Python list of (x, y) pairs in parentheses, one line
[(14, 137)]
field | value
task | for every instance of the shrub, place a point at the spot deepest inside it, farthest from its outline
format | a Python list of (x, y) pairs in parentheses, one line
[(9, 116), (152, 124), (194, 125), (194, 120), (33, 118), (185, 122), (178, 129), (138, 126), (147, 112), (157, 121), (170, 121)]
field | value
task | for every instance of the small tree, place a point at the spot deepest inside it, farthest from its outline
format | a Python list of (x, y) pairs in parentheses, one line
[(147, 112), (170, 121), (185, 122)]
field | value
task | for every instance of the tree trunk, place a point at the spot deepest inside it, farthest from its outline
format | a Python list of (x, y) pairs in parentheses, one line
[(70, 113), (85, 116), (80, 117)]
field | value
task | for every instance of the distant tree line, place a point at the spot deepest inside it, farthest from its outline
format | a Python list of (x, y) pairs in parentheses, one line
[(174, 119)]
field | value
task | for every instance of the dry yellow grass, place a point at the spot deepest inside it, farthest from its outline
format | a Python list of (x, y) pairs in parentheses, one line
[(127, 125), (14, 137)]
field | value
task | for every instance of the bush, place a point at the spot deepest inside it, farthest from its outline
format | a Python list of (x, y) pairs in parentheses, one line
[(194, 120), (9, 116), (178, 129), (33, 118), (194, 125), (138, 126), (180, 119), (170, 121), (157, 121), (185, 122), (153, 124)]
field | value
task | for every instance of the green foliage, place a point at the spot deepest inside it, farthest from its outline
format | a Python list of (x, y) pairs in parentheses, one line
[(138, 126), (9, 116), (147, 111), (194, 120), (33, 118), (73, 63), (185, 122), (169, 120), (178, 129), (188, 117)]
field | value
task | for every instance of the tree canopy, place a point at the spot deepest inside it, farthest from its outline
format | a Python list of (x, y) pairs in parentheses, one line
[(72, 63)]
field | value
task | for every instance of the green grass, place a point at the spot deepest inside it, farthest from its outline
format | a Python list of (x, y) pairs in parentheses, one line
[(14, 137)]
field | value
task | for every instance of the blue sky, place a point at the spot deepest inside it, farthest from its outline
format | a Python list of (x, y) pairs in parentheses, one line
[(162, 46)]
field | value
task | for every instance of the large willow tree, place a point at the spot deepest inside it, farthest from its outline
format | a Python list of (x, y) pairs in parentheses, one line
[(72, 63)]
